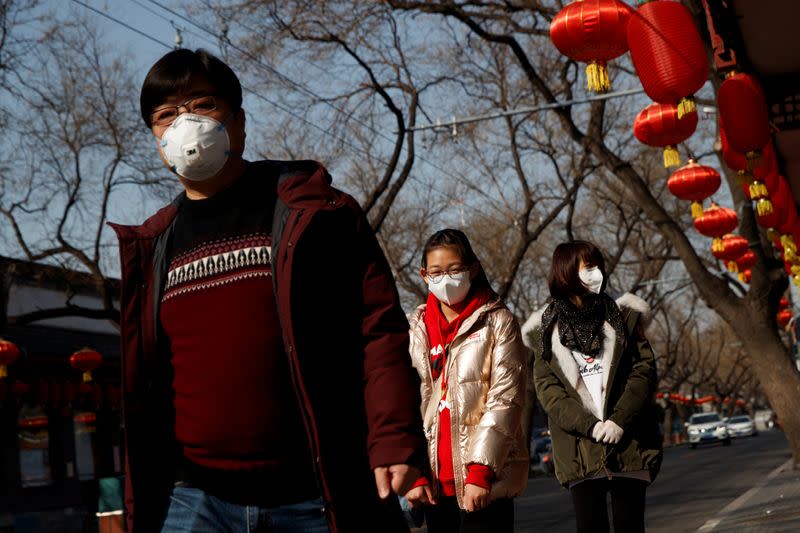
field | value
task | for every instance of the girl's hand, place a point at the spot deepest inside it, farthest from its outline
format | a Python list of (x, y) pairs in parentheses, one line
[(475, 498), (419, 496)]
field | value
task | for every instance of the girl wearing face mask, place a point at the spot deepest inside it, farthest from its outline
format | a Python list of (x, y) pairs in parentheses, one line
[(466, 346), (595, 376)]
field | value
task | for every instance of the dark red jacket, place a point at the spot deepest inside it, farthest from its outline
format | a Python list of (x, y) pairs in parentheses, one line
[(345, 335)]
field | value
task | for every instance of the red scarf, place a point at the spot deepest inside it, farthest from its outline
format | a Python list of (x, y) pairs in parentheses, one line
[(441, 332)]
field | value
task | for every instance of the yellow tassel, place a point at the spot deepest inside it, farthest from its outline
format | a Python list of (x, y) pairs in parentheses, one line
[(787, 241), (772, 235), (797, 280), (686, 106), (733, 267), (717, 245), (3, 371), (754, 159), (697, 210), (87, 377), (795, 269), (742, 278), (758, 190), (764, 207), (597, 78), (672, 158)]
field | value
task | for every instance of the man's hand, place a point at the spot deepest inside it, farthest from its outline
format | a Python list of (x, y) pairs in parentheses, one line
[(612, 433), (395, 478), (475, 498), (419, 496)]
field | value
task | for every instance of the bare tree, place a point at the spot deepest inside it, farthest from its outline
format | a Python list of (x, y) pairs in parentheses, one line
[(79, 152)]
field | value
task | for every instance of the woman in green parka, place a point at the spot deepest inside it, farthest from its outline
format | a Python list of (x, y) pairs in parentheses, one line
[(595, 376)]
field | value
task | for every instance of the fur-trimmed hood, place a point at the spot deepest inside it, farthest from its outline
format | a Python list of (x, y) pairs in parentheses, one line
[(628, 304)]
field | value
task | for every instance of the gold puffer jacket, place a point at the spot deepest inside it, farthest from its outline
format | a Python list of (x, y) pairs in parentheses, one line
[(487, 377)]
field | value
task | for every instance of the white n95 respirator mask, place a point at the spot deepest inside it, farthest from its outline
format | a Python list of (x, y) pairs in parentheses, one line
[(591, 278), (195, 146)]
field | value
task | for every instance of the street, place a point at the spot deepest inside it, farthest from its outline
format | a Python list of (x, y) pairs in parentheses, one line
[(693, 486)]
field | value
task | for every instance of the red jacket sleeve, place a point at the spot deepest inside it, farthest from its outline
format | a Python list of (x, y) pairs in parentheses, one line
[(391, 392)]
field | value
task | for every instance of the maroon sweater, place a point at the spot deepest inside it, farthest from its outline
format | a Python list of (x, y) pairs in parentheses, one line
[(236, 414)]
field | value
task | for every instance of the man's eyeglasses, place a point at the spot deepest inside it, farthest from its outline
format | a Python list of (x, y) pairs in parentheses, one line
[(199, 105), (436, 277)]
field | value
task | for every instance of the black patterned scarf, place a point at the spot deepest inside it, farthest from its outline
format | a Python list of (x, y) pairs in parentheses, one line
[(580, 329)]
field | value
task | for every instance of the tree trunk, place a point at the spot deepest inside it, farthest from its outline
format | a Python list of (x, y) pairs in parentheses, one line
[(778, 375)]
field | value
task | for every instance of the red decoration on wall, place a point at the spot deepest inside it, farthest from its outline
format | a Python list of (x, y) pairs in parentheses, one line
[(694, 183), (668, 53), (658, 125), (9, 352), (715, 222), (86, 360), (743, 115), (593, 32)]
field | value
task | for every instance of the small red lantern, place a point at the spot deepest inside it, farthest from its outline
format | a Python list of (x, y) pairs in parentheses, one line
[(715, 222), (658, 125), (668, 53), (784, 317), (694, 183), (743, 115), (86, 360), (9, 352), (747, 276), (593, 32), (744, 262), (758, 180), (783, 303), (733, 247), (33, 423)]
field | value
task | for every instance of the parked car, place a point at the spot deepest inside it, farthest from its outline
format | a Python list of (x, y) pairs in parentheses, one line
[(741, 426), (705, 428), (542, 457)]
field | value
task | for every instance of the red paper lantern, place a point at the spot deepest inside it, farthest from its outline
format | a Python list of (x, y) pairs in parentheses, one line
[(9, 352), (658, 125), (757, 181), (744, 262), (593, 32), (733, 247), (715, 222), (747, 276), (86, 360), (743, 115), (784, 317), (694, 183), (783, 303), (668, 53)]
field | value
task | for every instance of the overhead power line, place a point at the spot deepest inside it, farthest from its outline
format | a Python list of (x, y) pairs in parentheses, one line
[(523, 110)]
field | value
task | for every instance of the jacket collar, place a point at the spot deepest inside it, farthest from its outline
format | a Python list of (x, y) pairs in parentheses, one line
[(301, 185), (417, 322)]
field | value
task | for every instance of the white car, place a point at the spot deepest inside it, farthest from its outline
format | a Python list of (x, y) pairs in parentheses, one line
[(706, 428), (741, 426)]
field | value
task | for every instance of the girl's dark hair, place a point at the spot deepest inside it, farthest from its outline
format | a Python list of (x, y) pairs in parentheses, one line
[(458, 241), (174, 73), (563, 279)]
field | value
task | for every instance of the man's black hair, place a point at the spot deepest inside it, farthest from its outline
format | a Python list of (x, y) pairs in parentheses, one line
[(175, 73)]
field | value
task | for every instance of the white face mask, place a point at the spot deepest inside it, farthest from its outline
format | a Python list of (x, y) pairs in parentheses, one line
[(591, 278), (450, 291), (195, 146)]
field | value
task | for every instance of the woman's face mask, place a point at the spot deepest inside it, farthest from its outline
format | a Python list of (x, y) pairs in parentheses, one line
[(195, 146), (449, 289), (591, 278)]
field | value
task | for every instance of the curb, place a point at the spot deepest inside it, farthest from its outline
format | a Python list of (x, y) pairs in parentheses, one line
[(739, 502)]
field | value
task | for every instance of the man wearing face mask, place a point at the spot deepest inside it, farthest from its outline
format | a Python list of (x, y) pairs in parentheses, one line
[(595, 376), (264, 350)]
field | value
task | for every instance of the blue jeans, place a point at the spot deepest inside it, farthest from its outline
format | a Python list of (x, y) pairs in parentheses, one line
[(193, 511)]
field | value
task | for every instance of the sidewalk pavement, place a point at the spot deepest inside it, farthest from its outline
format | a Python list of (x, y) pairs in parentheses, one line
[(773, 505)]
